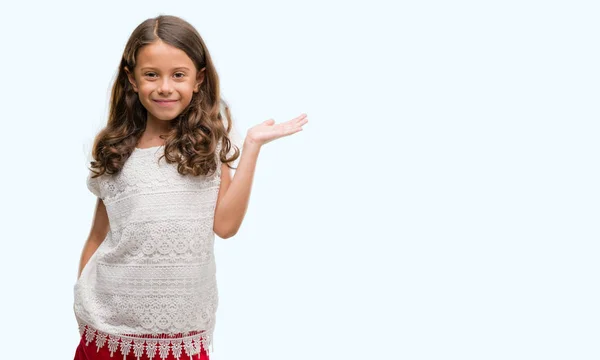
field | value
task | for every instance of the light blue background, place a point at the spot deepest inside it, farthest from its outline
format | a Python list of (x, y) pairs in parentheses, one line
[(441, 203)]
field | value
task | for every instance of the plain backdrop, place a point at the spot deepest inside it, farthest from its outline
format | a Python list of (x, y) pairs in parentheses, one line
[(441, 203)]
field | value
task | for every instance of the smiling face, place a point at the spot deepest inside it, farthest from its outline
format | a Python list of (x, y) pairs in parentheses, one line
[(165, 79)]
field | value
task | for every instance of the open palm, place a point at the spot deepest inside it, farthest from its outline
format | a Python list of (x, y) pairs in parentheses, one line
[(268, 131)]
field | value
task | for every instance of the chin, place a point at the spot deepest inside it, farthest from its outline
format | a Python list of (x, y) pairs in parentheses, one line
[(165, 117)]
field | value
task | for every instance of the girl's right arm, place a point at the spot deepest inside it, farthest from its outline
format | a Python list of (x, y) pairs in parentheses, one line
[(97, 234)]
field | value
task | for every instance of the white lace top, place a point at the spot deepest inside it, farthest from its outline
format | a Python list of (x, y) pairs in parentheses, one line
[(151, 285)]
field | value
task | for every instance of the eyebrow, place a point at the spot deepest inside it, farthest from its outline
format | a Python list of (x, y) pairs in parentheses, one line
[(176, 68)]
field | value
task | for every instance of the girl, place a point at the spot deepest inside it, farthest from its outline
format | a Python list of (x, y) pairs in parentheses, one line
[(147, 287)]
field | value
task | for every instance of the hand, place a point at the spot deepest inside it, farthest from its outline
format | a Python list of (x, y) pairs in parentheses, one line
[(268, 131)]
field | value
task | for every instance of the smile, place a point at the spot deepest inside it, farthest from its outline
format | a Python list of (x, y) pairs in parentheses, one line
[(165, 103)]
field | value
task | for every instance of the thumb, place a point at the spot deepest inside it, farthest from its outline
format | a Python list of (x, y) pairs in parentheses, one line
[(269, 122)]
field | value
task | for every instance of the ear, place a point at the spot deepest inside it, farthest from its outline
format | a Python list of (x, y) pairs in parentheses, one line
[(199, 80), (131, 79)]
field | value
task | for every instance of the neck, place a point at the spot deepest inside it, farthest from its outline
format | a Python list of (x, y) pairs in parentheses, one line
[(156, 127)]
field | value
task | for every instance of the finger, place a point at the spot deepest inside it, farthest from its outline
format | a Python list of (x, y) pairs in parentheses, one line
[(290, 126), (299, 121), (298, 118), (299, 124), (294, 129)]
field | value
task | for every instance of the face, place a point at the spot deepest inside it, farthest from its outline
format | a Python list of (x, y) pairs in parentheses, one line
[(165, 79)]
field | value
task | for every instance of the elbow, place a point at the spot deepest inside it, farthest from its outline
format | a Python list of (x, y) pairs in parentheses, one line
[(228, 235), (225, 227), (225, 232)]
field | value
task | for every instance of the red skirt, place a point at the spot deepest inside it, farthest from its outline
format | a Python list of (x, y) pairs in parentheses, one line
[(90, 352)]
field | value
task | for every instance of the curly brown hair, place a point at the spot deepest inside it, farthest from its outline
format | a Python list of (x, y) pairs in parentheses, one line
[(194, 134)]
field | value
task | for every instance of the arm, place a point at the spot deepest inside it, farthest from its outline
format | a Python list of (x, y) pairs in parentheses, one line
[(100, 227), (234, 194)]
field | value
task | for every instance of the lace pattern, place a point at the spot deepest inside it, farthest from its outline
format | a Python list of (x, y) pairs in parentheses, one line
[(192, 343), (151, 284)]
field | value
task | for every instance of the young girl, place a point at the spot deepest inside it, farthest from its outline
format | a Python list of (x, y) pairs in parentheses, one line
[(147, 286)]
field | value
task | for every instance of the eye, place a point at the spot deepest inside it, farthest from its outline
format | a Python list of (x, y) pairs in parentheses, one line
[(180, 73), (149, 73)]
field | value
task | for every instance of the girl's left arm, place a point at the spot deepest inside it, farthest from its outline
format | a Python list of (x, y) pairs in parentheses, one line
[(234, 194)]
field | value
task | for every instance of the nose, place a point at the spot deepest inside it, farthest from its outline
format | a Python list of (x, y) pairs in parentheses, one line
[(165, 86)]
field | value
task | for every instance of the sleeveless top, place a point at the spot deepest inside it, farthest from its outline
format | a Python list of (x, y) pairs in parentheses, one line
[(151, 287)]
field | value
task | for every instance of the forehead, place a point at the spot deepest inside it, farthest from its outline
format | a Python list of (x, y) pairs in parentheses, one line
[(162, 55)]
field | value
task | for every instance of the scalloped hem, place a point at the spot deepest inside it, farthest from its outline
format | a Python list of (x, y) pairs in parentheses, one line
[(141, 347)]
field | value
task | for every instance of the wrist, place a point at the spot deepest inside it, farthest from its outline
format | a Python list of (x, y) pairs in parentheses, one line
[(251, 144)]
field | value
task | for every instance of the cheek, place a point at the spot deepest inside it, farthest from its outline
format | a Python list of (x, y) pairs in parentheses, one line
[(186, 91), (146, 88), (187, 88)]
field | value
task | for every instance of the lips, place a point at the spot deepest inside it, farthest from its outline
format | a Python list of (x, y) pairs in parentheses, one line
[(167, 104)]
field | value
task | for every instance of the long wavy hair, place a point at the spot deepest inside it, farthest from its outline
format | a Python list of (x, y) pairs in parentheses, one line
[(194, 134)]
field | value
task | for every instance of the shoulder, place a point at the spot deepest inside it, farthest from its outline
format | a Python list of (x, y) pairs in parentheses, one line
[(93, 184)]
